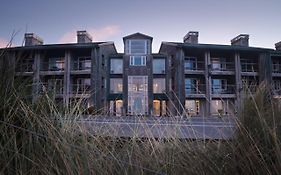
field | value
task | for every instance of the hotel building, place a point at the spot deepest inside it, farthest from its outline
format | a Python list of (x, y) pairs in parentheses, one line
[(183, 79)]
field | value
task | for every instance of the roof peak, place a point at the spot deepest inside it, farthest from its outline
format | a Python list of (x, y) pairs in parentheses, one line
[(137, 35)]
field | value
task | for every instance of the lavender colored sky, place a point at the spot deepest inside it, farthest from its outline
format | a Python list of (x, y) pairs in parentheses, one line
[(218, 21)]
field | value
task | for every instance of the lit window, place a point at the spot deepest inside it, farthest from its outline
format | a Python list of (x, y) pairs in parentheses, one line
[(116, 85), (137, 60), (159, 85)]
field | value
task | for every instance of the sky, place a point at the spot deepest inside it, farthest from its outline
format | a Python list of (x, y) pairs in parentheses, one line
[(218, 21)]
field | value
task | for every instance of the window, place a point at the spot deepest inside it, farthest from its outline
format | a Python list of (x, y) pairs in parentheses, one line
[(138, 47), (191, 86), (55, 86), (137, 60), (192, 107), (56, 64), (83, 63), (83, 85), (25, 65), (190, 63), (217, 107), (159, 66), (219, 86), (159, 85), (218, 64), (248, 65), (116, 85), (116, 66)]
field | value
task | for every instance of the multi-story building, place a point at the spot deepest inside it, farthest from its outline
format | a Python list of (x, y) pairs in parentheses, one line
[(187, 78)]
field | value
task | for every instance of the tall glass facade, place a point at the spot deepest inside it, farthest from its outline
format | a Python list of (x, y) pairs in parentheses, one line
[(137, 95)]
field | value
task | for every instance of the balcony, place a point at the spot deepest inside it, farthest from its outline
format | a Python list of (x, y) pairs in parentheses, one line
[(81, 66), (192, 66), (223, 91), (249, 67), (249, 89), (276, 69), (24, 67), (81, 89), (195, 91), (222, 67), (52, 67), (55, 89)]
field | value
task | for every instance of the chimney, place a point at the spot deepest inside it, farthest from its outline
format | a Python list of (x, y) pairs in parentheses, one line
[(278, 46), (240, 40), (30, 39), (83, 37), (191, 37)]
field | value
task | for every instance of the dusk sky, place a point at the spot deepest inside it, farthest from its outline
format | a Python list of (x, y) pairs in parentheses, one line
[(217, 21)]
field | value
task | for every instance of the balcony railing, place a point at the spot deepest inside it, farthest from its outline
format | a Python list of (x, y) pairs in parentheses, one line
[(82, 65), (223, 89), (81, 89), (276, 68), (194, 66), (195, 89), (52, 66), (249, 67), (50, 88), (27, 67), (252, 88), (223, 66)]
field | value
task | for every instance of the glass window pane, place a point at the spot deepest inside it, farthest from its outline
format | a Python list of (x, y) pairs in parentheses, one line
[(137, 47), (116, 66), (159, 85), (116, 85), (159, 66)]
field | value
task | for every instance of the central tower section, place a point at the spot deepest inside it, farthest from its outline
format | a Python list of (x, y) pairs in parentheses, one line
[(137, 72)]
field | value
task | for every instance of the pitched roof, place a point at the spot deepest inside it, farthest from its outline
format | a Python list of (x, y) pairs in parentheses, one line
[(137, 36)]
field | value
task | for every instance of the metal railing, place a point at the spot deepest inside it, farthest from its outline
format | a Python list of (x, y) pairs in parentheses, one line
[(81, 89), (81, 65), (252, 88), (24, 67), (52, 66), (195, 89), (194, 65), (223, 89), (50, 88), (223, 66), (249, 67), (276, 68)]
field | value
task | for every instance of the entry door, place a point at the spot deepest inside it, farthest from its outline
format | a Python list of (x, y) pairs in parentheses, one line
[(137, 95)]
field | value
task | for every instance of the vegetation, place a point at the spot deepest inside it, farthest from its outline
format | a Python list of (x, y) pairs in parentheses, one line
[(35, 139)]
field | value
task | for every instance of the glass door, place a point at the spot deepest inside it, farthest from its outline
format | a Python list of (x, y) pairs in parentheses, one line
[(137, 95)]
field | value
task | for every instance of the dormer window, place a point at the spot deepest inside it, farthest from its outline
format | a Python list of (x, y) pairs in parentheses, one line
[(137, 47)]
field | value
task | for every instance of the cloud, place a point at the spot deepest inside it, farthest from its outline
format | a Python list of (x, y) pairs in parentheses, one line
[(99, 34)]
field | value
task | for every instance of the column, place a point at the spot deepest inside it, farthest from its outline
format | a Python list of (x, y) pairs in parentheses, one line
[(66, 83), (238, 82), (36, 77), (208, 81)]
